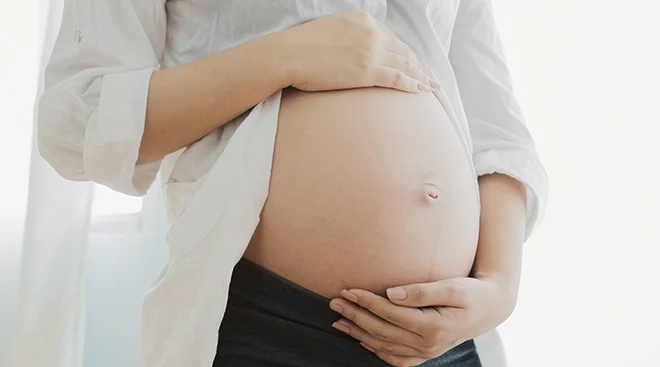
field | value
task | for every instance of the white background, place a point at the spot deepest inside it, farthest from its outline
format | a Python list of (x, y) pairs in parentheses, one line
[(587, 73)]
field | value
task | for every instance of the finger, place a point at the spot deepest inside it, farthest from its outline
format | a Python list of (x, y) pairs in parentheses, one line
[(400, 361), (408, 318), (377, 327), (448, 292), (396, 45), (387, 77), (370, 341), (405, 65)]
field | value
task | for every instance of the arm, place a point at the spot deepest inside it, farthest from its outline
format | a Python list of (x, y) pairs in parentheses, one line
[(502, 233), (501, 141), (109, 115), (186, 104)]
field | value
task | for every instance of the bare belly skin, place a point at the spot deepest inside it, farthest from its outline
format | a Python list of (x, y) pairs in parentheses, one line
[(370, 188)]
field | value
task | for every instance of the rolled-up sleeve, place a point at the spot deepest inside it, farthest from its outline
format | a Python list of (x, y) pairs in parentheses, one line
[(501, 140), (91, 115)]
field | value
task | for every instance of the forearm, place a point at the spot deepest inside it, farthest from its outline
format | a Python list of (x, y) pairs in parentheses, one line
[(502, 231), (187, 102)]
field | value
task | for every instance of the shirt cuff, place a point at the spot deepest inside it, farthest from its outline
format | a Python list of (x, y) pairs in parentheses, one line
[(113, 136), (524, 167)]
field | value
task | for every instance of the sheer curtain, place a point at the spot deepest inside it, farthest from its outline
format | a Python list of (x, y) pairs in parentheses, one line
[(587, 75), (86, 254)]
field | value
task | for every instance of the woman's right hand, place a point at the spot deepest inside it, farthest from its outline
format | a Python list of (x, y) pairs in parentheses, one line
[(347, 50)]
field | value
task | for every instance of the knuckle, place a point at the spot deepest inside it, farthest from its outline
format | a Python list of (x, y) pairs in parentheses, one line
[(433, 346), (429, 343), (392, 317), (452, 290), (371, 51), (369, 46), (364, 23), (397, 80), (430, 354), (457, 292), (436, 339), (388, 348), (420, 294), (360, 14), (366, 60), (371, 37), (368, 29), (434, 329), (429, 348), (432, 338), (382, 335), (367, 302)]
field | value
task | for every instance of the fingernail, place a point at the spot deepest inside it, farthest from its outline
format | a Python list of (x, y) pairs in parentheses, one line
[(423, 87), (372, 350), (335, 307), (341, 327), (349, 296), (434, 84), (396, 294)]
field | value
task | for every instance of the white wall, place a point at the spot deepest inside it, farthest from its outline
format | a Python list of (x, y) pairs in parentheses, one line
[(588, 74)]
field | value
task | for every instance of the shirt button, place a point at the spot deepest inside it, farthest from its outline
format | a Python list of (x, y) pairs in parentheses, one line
[(78, 36)]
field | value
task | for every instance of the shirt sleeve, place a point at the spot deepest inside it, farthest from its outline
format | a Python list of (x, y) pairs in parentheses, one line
[(501, 140), (90, 117)]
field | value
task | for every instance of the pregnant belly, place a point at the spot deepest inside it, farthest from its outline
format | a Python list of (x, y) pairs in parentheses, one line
[(370, 188)]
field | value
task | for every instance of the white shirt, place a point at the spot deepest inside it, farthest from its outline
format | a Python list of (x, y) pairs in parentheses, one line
[(91, 120)]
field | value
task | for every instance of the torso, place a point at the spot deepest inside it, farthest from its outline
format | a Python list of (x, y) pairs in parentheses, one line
[(347, 204), (370, 188)]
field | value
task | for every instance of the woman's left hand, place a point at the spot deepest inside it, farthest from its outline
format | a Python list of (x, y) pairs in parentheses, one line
[(420, 322)]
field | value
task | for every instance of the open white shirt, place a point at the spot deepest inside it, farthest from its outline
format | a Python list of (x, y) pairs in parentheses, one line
[(91, 120)]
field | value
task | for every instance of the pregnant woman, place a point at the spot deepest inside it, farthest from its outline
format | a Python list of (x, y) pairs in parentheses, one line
[(347, 182)]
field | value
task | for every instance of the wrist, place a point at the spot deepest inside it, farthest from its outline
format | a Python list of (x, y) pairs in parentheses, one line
[(507, 288), (282, 57)]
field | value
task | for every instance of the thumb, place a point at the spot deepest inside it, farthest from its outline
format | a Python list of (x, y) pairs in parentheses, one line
[(446, 292)]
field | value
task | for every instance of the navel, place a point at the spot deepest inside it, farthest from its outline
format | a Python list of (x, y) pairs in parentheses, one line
[(431, 192)]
